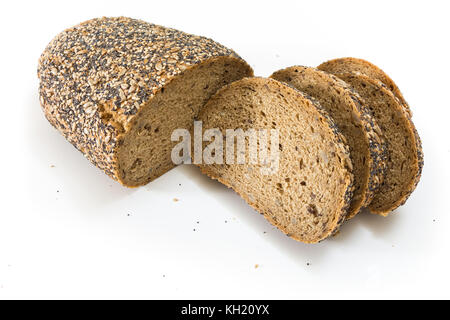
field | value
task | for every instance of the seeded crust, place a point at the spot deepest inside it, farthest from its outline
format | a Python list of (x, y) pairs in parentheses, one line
[(405, 156), (349, 65), (99, 78), (294, 199), (348, 110)]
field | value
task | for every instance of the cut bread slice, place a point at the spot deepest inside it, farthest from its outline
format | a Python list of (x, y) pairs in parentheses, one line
[(348, 110), (308, 193), (349, 65), (405, 157)]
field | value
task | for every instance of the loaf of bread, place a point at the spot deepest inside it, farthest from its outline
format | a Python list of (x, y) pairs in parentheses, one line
[(309, 194), (360, 66), (348, 110), (116, 88), (405, 157)]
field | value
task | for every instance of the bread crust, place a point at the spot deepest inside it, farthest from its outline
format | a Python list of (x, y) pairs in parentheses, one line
[(96, 77), (340, 144), (416, 147), (376, 151), (349, 65)]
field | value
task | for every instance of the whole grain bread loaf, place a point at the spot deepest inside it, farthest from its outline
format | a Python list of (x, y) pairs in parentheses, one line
[(405, 157), (349, 65), (348, 110), (308, 195), (116, 88)]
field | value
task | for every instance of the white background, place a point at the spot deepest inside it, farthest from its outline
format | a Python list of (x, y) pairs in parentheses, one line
[(69, 231)]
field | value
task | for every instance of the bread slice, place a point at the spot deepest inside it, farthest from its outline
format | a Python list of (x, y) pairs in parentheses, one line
[(349, 65), (348, 110), (116, 88), (309, 195), (405, 157)]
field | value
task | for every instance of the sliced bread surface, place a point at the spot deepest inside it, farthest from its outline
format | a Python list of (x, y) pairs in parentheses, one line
[(308, 196), (349, 65), (116, 88), (348, 110), (405, 157)]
